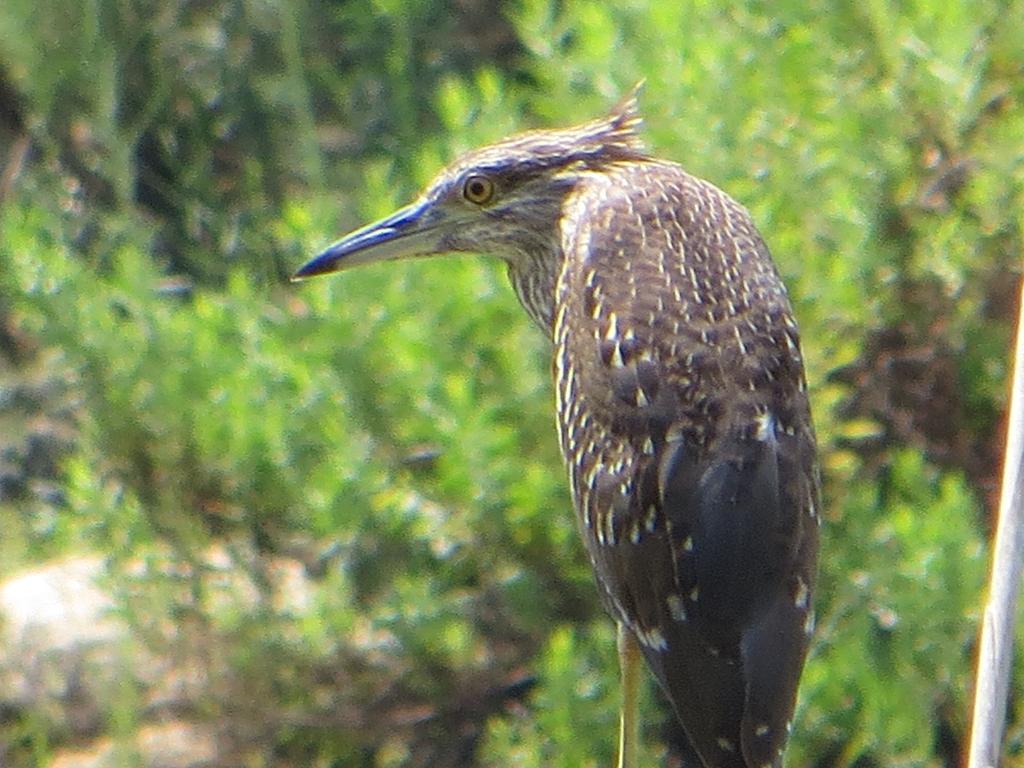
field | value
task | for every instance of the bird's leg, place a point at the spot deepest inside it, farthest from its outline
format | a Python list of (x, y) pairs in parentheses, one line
[(629, 717)]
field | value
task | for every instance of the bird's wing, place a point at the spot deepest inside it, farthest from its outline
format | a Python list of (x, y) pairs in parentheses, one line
[(685, 426)]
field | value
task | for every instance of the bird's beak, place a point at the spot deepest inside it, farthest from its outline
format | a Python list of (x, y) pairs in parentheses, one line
[(411, 231)]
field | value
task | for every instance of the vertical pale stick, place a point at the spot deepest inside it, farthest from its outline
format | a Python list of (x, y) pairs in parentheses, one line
[(996, 653)]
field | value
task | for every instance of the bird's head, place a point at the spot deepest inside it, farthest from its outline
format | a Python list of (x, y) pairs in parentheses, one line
[(503, 199)]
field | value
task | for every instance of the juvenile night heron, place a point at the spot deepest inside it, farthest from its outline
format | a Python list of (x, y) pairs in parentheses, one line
[(682, 409)]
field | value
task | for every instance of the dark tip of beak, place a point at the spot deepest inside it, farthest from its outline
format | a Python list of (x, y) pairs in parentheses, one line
[(323, 264)]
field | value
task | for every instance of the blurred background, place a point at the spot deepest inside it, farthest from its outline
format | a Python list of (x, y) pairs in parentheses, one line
[(248, 523)]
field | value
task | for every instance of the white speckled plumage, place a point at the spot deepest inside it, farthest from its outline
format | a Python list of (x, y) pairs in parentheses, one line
[(706, 373), (715, 368)]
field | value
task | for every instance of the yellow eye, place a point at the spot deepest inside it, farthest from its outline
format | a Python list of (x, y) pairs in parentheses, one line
[(478, 190)]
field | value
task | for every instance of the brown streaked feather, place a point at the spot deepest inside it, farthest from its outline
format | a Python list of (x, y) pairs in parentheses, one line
[(694, 468)]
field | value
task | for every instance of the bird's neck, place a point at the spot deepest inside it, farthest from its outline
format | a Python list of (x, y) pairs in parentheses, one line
[(533, 275)]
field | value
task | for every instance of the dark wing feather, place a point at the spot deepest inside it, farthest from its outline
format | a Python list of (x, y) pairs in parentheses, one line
[(690, 449), (743, 514)]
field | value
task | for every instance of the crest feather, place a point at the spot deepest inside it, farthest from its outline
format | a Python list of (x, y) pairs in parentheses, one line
[(624, 120), (608, 139), (617, 133)]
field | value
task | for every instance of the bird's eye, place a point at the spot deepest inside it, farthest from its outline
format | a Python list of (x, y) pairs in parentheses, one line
[(478, 190)]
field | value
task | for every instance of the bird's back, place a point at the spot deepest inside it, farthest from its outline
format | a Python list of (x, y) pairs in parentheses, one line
[(685, 424)]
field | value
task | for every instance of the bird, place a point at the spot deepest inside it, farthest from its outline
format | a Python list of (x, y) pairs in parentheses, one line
[(682, 409)]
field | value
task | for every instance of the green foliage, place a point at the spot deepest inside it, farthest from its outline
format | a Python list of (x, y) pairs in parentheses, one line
[(392, 428), (209, 115)]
